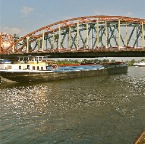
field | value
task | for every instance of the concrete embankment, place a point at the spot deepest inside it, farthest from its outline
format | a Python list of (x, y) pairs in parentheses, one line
[(141, 139)]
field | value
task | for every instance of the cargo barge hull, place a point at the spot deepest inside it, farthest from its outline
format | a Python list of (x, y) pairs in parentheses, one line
[(25, 77)]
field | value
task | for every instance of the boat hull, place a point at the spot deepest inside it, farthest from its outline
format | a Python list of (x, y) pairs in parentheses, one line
[(25, 77), (141, 64)]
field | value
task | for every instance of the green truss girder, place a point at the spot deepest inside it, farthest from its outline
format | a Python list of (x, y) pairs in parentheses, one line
[(107, 35)]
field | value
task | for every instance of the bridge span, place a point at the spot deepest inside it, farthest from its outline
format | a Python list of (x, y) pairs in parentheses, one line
[(88, 36), (90, 54)]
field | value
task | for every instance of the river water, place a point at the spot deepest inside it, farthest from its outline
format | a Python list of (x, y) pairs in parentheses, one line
[(95, 110)]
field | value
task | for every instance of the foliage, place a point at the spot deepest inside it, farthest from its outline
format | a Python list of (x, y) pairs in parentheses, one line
[(84, 61), (95, 61), (66, 61), (130, 63), (133, 61)]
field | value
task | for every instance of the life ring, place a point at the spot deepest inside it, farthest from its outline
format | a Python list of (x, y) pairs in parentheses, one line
[(54, 66)]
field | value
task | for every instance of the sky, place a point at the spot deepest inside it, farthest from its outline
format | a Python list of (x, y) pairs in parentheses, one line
[(25, 16)]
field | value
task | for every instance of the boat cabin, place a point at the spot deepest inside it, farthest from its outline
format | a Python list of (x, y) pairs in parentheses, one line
[(27, 63), (29, 59)]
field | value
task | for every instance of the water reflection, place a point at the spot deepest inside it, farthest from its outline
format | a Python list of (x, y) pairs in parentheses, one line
[(88, 110)]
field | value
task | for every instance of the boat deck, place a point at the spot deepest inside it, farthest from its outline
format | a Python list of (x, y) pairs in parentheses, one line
[(26, 71)]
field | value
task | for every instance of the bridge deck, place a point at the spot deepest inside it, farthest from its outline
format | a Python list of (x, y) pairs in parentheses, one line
[(90, 54)]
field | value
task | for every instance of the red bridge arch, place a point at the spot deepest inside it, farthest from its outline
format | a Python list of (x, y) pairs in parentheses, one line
[(88, 33)]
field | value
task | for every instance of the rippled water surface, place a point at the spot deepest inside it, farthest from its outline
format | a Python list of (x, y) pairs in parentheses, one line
[(96, 110)]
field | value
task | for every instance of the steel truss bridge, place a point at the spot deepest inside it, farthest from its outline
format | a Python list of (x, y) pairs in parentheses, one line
[(88, 36)]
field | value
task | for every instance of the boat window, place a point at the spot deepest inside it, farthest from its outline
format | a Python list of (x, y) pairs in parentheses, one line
[(41, 68), (37, 67), (36, 59), (40, 58), (33, 68), (28, 66), (19, 67)]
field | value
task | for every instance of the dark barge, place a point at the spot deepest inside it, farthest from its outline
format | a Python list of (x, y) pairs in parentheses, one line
[(25, 77)]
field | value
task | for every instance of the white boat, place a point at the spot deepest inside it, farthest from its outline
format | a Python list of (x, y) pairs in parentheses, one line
[(140, 64)]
